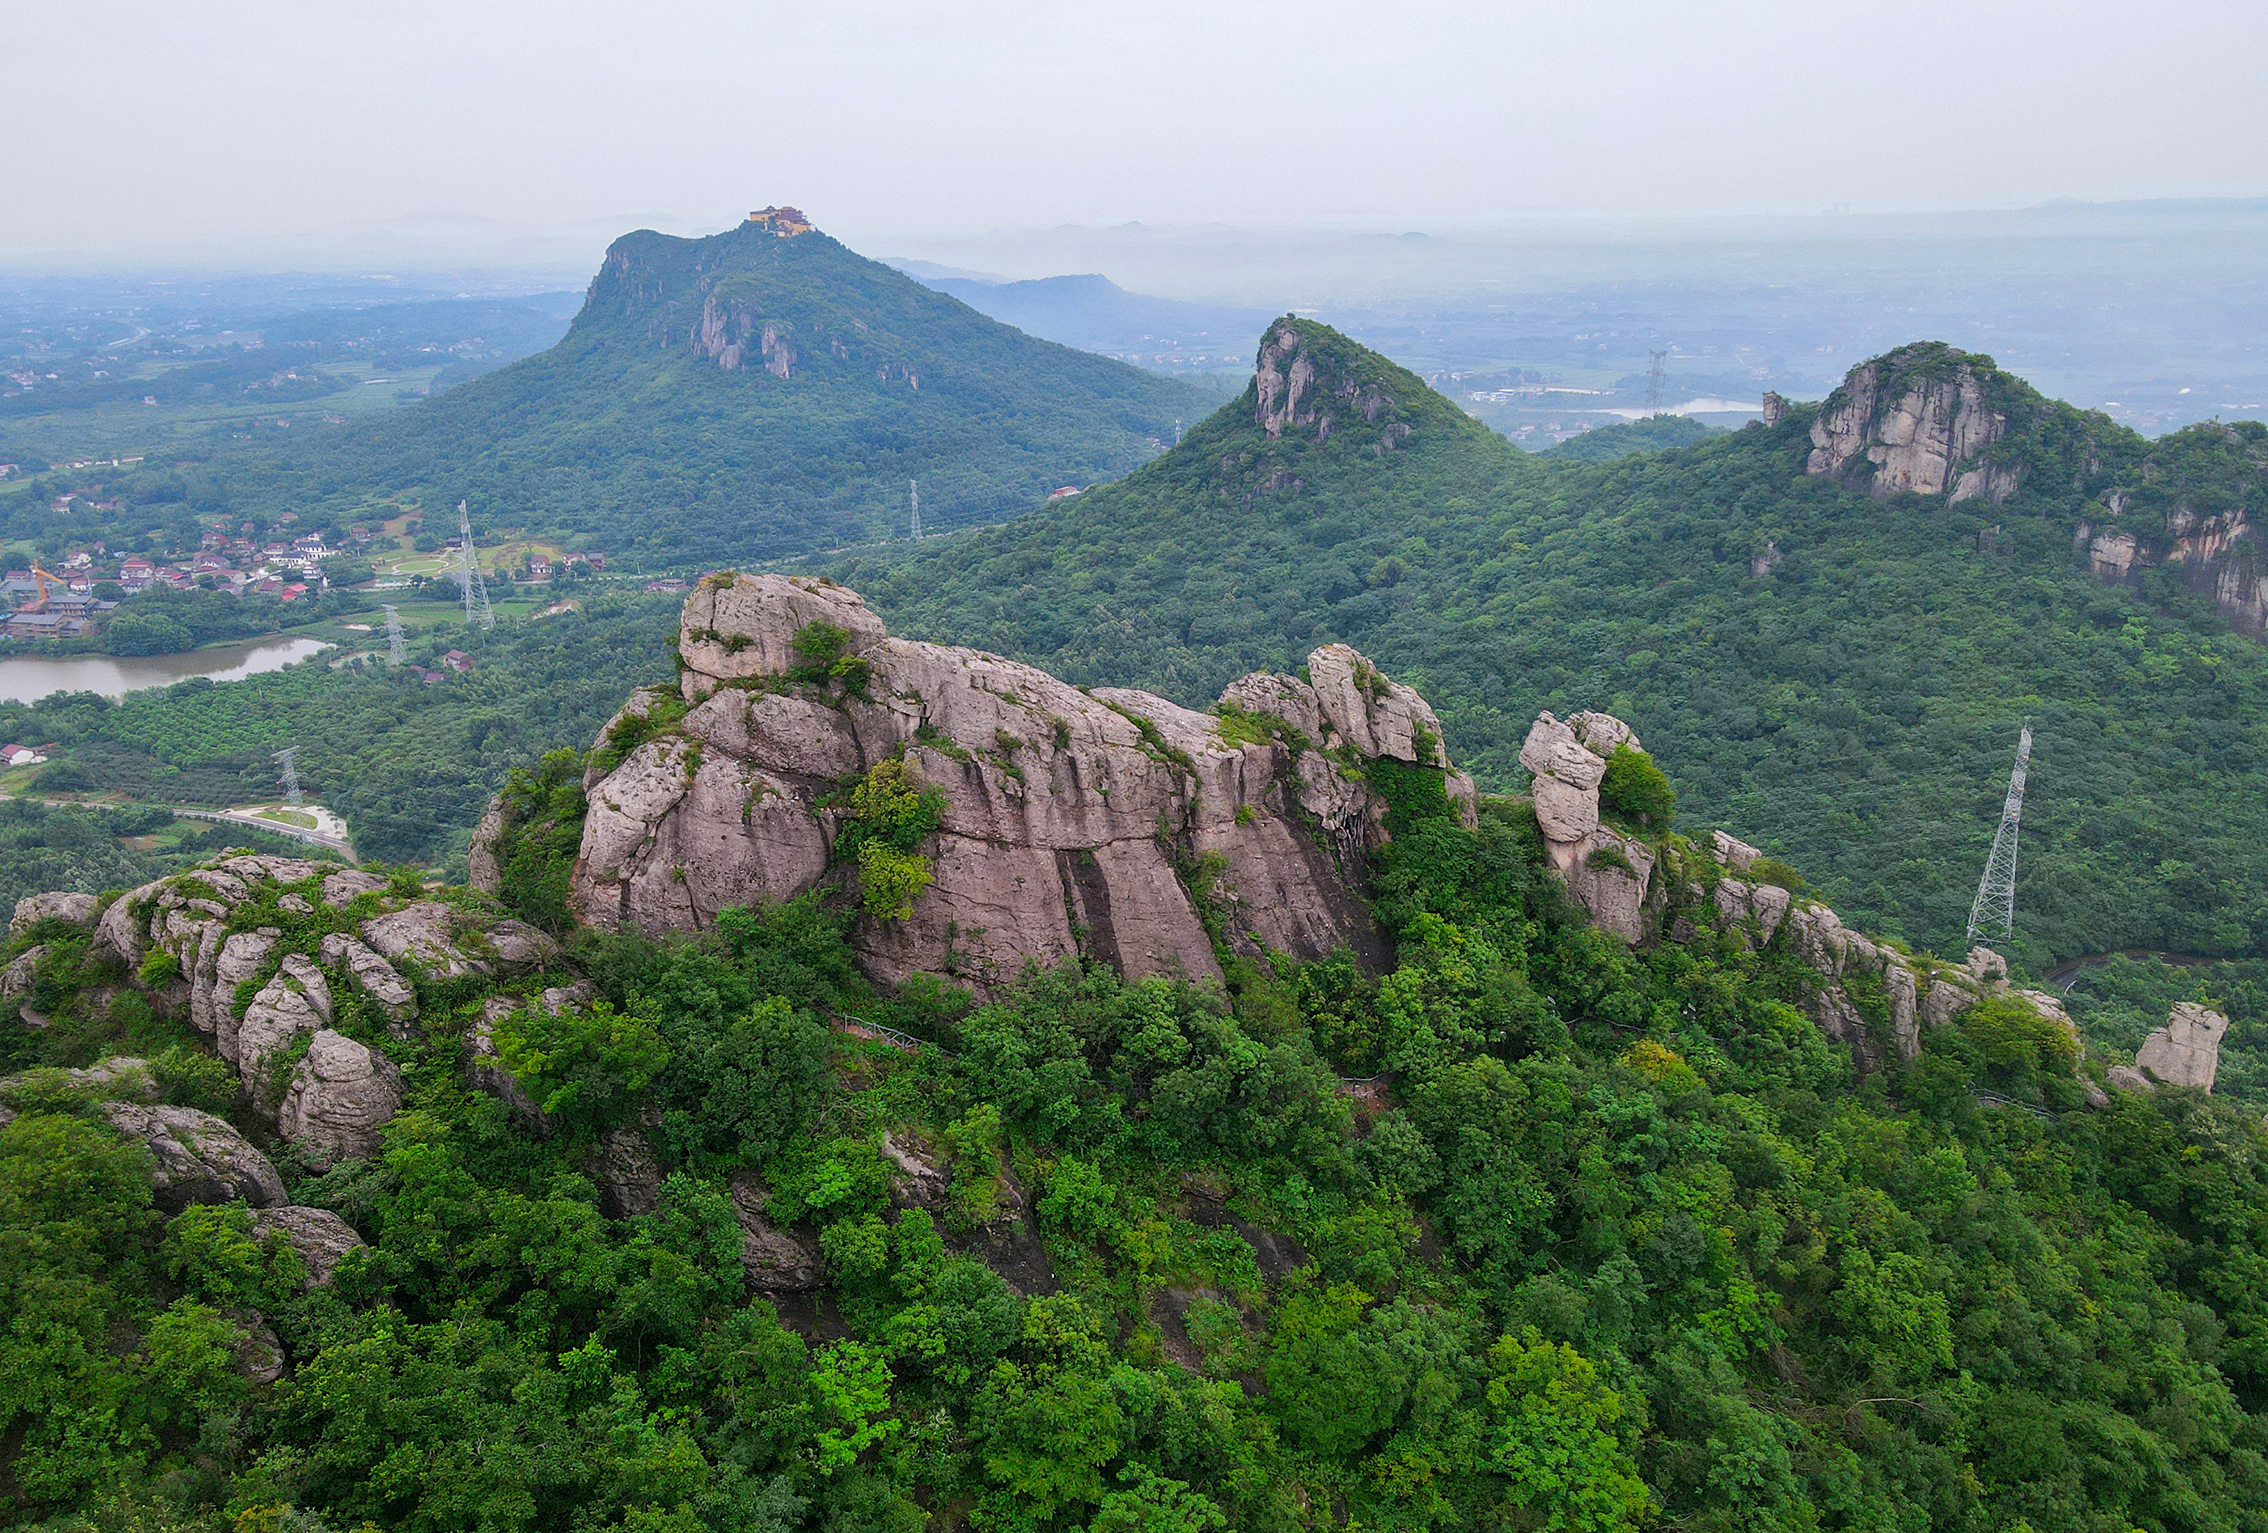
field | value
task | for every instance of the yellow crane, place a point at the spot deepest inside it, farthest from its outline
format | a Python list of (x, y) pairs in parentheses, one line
[(43, 577)]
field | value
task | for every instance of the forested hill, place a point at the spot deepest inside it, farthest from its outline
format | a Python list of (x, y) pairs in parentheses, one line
[(746, 395), (1837, 676)]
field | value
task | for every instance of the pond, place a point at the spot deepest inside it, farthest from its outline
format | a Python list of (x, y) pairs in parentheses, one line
[(28, 678)]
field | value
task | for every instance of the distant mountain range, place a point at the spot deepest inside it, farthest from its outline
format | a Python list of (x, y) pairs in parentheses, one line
[(743, 396), (1094, 313)]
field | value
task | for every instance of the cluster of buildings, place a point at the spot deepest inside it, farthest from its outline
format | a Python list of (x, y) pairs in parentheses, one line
[(62, 604)]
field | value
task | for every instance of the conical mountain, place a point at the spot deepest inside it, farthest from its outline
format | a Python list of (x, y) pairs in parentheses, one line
[(753, 393), (1827, 629)]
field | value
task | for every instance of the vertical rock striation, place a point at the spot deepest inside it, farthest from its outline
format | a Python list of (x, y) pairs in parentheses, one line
[(1114, 823)]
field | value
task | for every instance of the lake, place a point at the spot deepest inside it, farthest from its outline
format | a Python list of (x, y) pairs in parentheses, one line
[(28, 678)]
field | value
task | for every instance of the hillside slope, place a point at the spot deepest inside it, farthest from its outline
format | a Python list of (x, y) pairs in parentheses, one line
[(1838, 675), (744, 395)]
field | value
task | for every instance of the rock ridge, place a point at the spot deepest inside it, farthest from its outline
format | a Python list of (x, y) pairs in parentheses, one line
[(1113, 823), (1919, 419)]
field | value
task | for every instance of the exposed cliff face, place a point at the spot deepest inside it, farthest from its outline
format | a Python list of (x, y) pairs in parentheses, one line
[(1114, 823), (1916, 420), (2190, 508)]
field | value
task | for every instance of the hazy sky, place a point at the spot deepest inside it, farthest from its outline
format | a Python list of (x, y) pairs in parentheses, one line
[(155, 128)]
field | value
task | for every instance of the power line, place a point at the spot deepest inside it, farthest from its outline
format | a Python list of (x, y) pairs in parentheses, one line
[(288, 759), (477, 609), (1993, 917)]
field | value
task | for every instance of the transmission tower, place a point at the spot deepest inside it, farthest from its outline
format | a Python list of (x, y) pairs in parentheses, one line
[(1993, 917), (1654, 382), (913, 494), (1177, 431), (397, 650), (288, 759), (477, 609)]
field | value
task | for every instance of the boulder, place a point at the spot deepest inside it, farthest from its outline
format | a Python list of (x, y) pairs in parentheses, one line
[(321, 1238), (628, 1175), (773, 1260), (1371, 713), (1566, 787), (1735, 856), (259, 1354), (73, 909), (422, 933), (123, 931), (344, 887), (375, 980), (17, 978), (342, 1093), (198, 1158), (520, 948), (296, 1000), (2187, 1050), (225, 960), (1071, 823), (746, 627)]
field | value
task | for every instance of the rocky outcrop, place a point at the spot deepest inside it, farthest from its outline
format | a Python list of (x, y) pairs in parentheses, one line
[(321, 1238), (198, 1158), (375, 980), (2185, 1052), (22, 970), (1607, 872), (422, 936), (295, 1001), (628, 1174), (482, 870), (1115, 823), (1917, 420), (772, 1260), (342, 1093), (72, 909), (2191, 508)]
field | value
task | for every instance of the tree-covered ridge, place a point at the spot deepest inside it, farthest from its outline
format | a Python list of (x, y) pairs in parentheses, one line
[(1622, 1243), (634, 433), (1837, 679)]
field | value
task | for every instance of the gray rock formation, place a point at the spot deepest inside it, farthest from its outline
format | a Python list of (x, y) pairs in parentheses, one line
[(198, 1158), (629, 1177), (342, 1093), (1608, 873), (321, 1238), (422, 934), (375, 980), (2185, 1052), (774, 1260), (1775, 408), (344, 887), (77, 909), (1916, 420), (1071, 820), (482, 870), (17, 978), (296, 1001), (2192, 512)]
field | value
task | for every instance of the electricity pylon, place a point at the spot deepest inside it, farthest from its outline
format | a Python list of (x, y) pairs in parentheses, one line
[(1654, 382), (397, 650), (1993, 917), (477, 609), (288, 759), (913, 495)]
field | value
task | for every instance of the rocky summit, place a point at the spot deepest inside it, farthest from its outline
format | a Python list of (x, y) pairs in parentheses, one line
[(1112, 823)]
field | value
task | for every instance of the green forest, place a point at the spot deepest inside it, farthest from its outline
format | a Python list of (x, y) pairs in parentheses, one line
[(1836, 679), (410, 765), (1622, 1244), (633, 436)]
